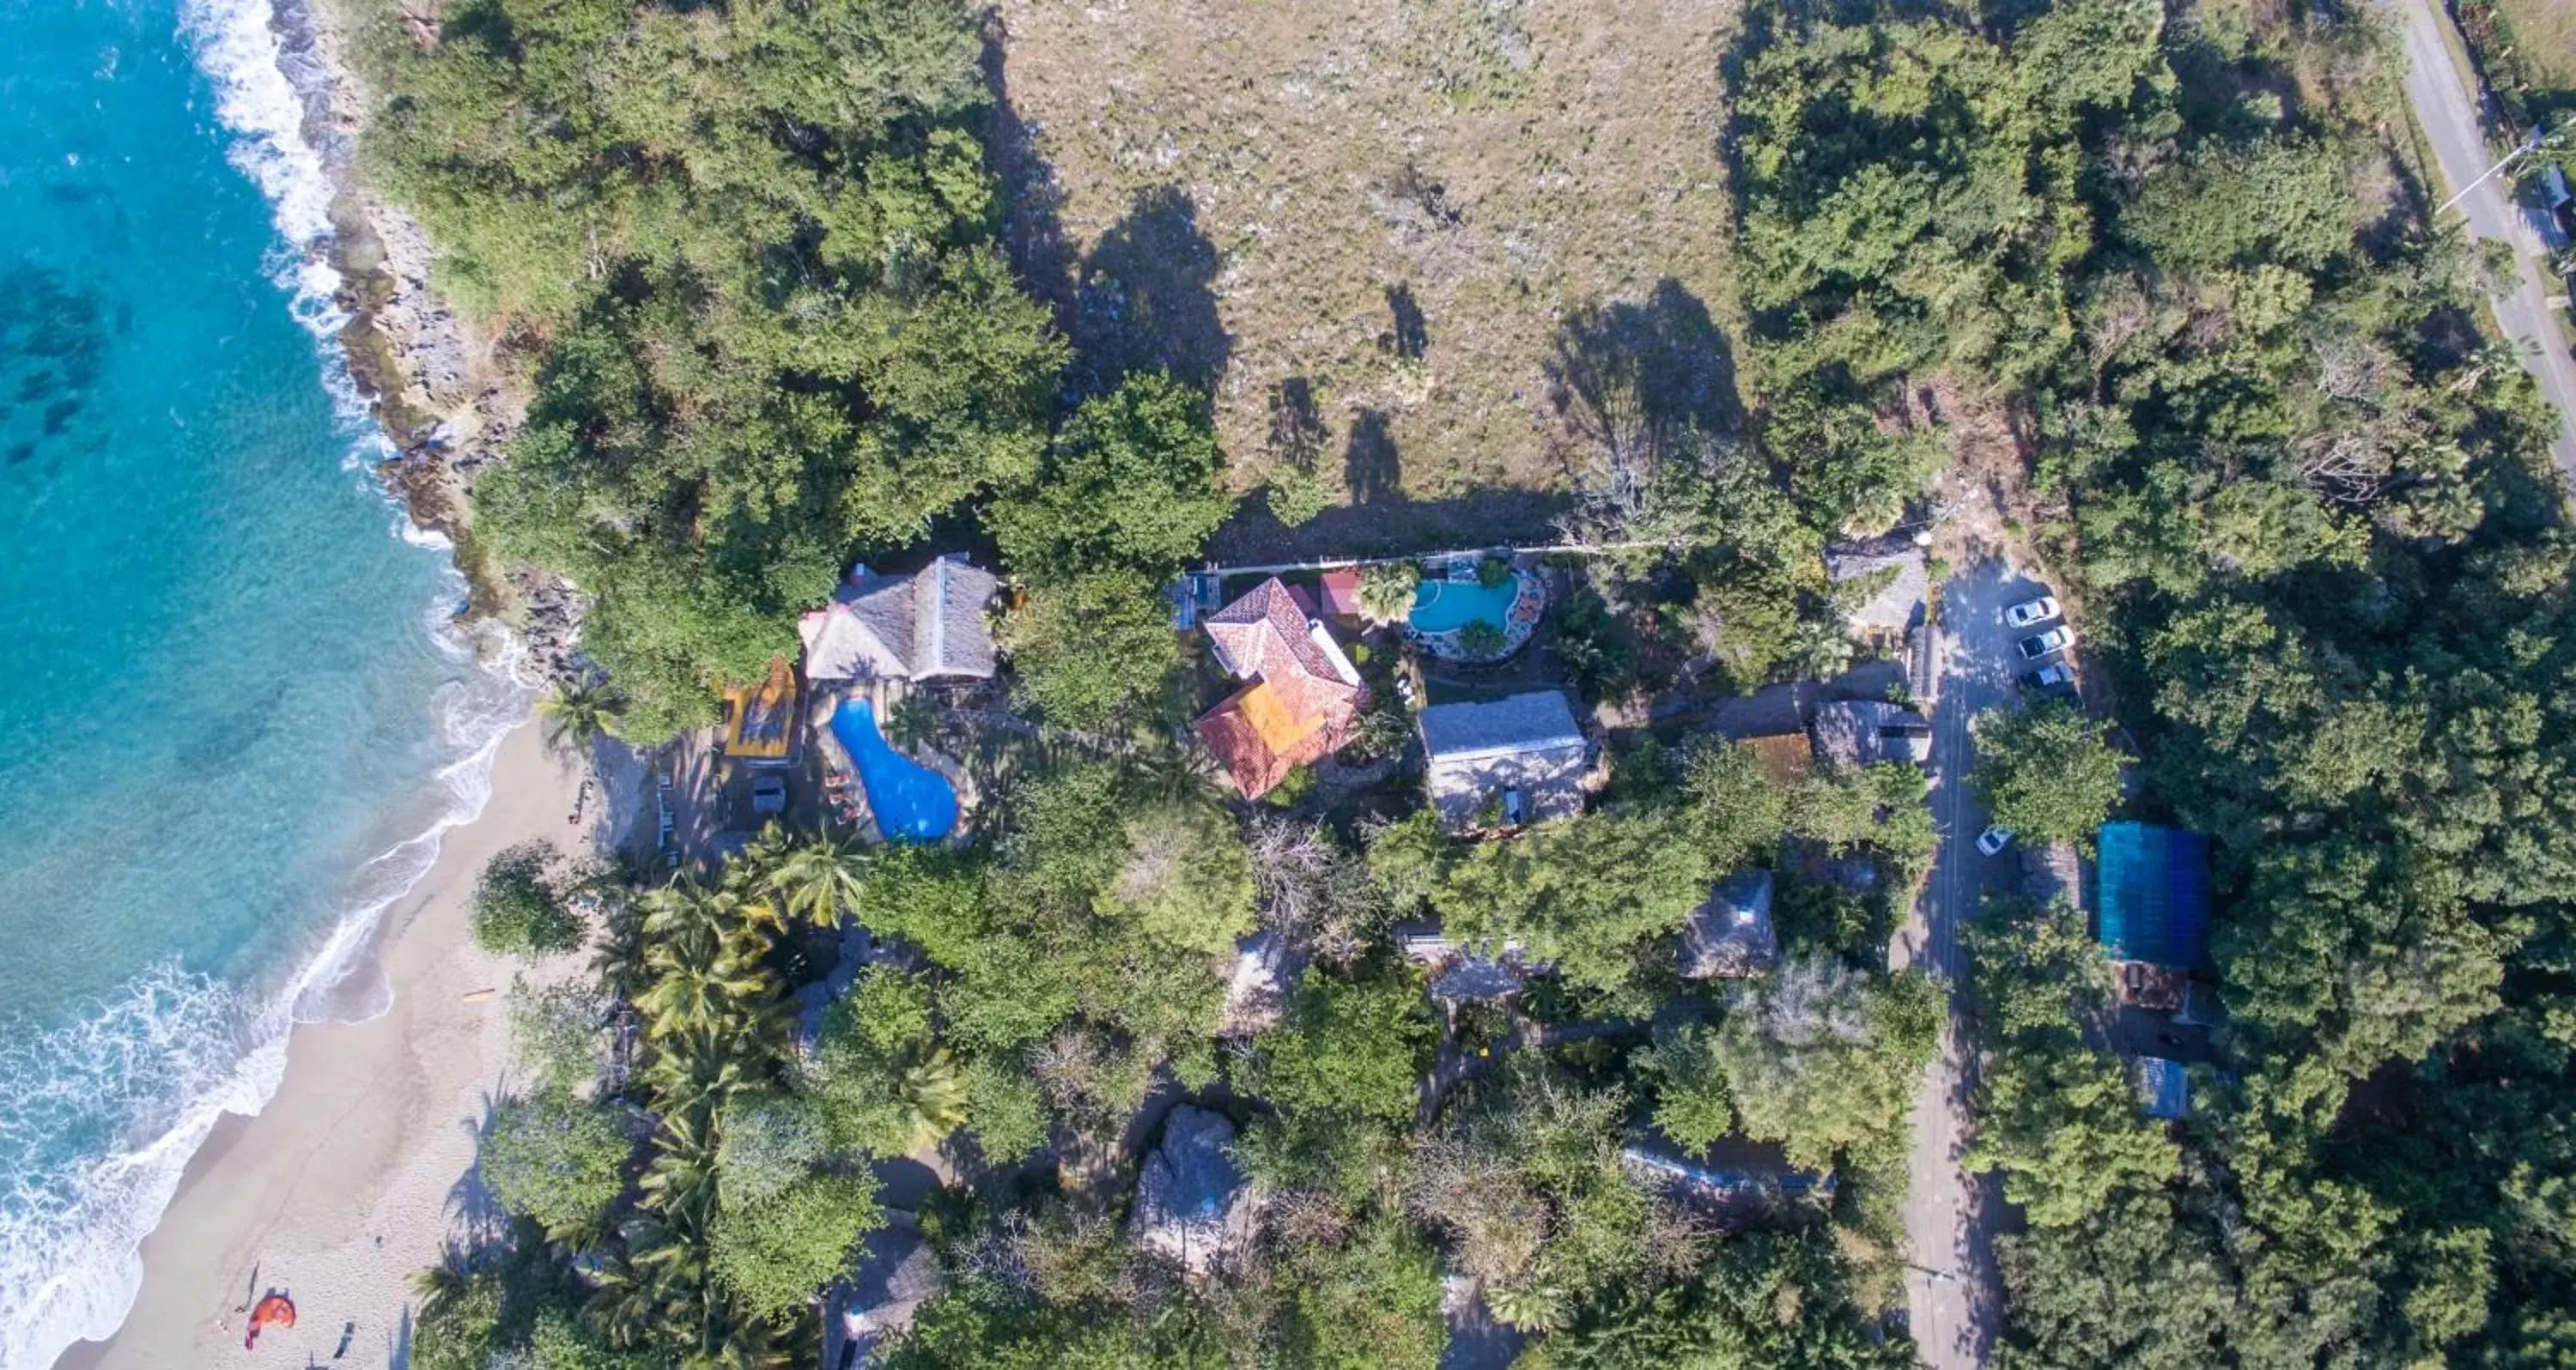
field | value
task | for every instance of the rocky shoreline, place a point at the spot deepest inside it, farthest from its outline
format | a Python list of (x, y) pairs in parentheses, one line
[(446, 393)]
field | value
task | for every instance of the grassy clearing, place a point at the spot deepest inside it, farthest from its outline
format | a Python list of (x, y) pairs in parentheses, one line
[(1376, 226), (2545, 39)]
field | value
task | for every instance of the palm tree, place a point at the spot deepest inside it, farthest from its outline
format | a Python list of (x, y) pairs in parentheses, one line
[(695, 1070), (817, 880), (1185, 771), (680, 1182), (932, 1093), (441, 1285), (704, 994), (1528, 1305), (1386, 591), (579, 714), (912, 721)]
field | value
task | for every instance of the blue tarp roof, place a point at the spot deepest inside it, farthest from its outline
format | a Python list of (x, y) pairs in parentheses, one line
[(2155, 895)]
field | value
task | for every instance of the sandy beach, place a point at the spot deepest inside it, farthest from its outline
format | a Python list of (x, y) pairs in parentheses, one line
[(357, 1172)]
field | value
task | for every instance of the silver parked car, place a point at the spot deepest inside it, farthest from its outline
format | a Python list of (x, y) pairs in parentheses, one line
[(2047, 644), (2031, 613)]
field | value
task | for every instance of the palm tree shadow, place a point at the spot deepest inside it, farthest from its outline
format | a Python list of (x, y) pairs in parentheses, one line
[(480, 1221)]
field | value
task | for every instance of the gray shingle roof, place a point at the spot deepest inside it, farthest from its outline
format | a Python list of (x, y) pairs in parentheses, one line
[(1894, 605), (925, 626), (1538, 721), (1863, 732), (1527, 743)]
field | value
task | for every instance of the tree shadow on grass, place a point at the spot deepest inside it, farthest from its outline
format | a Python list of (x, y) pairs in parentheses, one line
[(1143, 297), (1032, 200), (1410, 336), (1297, 431), (1637, 376), (1485, 517), (1148, 296), (1370, 466)]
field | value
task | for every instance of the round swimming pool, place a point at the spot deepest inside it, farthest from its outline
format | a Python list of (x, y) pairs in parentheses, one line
[(912, 802)]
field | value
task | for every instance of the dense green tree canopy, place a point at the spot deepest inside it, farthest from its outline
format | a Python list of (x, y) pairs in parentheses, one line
[(2045, 772), (757, 245), (555, 1159)]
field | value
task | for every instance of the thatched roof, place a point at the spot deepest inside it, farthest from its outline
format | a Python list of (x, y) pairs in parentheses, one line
[(896, 1273), (925, 626)]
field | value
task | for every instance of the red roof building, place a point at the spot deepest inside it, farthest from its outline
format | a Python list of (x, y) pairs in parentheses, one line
[(1342, 593), (1303, 694)]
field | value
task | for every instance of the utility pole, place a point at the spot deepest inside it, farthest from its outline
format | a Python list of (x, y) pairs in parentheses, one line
[(2530, 144)]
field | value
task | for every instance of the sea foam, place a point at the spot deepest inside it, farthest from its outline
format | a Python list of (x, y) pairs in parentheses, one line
[(147, 1074)]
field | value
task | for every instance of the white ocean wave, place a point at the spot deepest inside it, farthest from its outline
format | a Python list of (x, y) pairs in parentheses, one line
[(141, 1080)]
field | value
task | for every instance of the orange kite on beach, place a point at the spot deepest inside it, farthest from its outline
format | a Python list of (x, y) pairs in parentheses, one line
[(276, 1310)]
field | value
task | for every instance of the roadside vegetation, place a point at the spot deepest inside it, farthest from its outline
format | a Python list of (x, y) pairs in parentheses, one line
[(2324, 563)]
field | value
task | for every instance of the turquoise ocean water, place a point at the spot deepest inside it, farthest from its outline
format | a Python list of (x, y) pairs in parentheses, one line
[(233, 718)]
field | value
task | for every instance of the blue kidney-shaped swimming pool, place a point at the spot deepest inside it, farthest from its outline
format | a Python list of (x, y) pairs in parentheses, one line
[(912, 802), (1442, 605)]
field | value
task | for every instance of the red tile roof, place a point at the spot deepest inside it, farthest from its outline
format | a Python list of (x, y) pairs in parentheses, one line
[(1342, 592), (1299, 706)]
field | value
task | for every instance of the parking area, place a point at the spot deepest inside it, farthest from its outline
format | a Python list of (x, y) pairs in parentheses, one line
[(1954, 1291)]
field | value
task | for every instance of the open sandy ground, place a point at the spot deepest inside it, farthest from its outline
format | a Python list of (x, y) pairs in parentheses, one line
[(360, 1169)]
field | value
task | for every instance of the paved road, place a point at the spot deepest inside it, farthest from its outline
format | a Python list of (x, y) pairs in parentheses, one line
[(1953, 1294), (2448, 114)]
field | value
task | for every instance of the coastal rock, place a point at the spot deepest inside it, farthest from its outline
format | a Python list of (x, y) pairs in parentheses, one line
[(443, 388)]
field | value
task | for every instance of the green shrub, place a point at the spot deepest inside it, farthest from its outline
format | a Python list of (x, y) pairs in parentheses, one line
[(555, 1159), (518, 908)]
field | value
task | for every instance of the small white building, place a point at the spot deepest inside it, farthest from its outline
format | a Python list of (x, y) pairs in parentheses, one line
[(1524, 752)]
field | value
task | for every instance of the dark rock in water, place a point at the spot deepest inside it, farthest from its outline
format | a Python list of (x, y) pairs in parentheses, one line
[(235, 734), (35, 385), (20, 451), (58, 415)]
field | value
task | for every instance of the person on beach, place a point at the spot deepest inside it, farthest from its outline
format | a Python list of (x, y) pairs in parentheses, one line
[(276, 1310)]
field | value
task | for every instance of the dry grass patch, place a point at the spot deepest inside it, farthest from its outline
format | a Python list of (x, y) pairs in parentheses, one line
[(2545, 34), (1369, 223)]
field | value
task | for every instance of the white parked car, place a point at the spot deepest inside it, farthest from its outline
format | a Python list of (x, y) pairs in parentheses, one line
[(2032, 612), (2041, 645), (1993, 840)]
